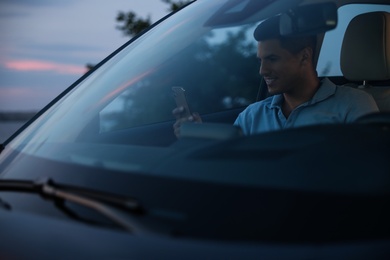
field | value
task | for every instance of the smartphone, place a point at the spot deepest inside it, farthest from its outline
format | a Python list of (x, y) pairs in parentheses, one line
[(179, 94)]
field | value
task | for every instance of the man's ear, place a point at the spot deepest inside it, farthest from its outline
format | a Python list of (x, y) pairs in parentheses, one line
[(306, 55)]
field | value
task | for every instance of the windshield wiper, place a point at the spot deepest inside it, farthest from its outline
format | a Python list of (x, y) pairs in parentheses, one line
[(97, 201)]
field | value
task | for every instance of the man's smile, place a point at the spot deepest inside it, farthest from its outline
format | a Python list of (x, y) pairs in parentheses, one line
[(269, 80)]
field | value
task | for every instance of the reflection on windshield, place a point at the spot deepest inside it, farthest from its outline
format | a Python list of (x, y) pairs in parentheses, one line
[(204, 68), (217, 66)]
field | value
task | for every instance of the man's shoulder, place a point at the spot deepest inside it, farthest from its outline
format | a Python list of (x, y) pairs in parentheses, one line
[(355, 98), (351, 92), (346, 91), (259, 107), (260, 104)]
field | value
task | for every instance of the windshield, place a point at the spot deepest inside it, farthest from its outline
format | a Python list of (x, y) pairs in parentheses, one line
[(120, 116), (207, 48), (216, 65)]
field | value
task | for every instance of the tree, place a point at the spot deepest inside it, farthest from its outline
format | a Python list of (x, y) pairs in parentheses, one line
[(131, 24), (176, 5)]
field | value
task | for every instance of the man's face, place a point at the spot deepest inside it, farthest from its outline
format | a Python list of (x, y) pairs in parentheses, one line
[(280, 69)]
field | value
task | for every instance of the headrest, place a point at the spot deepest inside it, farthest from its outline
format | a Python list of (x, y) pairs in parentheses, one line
[(365, 52)]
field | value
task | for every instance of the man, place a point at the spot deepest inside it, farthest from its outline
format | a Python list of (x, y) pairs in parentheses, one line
[(298, 98)]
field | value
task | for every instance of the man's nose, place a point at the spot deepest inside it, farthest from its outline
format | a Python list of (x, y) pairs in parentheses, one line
[(263, 69)]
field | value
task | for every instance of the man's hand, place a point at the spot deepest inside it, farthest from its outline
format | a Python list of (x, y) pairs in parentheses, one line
[(178, 113)]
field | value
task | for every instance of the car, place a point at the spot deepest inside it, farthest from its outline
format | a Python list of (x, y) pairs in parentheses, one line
[(100, 174)]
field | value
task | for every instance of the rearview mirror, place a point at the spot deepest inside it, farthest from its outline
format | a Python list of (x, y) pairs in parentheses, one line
[(309, 19)]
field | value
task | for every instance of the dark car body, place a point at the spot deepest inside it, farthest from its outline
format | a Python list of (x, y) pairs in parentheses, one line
[(99, 173)]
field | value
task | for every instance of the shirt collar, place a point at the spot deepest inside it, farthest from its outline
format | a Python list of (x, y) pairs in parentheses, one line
[(326, 89), (276, 101)]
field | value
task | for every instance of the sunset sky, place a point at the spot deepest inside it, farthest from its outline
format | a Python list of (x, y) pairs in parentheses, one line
[(46, 44)]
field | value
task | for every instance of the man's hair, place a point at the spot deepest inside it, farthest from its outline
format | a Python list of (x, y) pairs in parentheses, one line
[(269, 29)]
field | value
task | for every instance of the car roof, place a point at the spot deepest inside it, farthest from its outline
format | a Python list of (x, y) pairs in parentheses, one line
[(345, 2)]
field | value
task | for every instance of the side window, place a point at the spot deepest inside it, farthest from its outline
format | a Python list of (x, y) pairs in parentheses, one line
[(329, 59)]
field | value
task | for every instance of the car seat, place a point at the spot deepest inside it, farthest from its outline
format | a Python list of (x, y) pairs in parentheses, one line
[(365, 55)]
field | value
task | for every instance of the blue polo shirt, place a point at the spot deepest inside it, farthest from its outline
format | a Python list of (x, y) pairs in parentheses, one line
[(330, 104)]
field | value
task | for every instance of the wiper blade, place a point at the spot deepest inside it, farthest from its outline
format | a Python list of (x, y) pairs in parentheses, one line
[(91, 199)]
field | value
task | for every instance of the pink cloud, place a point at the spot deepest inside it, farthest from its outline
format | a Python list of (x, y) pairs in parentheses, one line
[(24, 98), (12, 92), (35, 65)]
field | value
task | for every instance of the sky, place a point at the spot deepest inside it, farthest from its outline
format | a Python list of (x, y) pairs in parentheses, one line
[(45, 45)]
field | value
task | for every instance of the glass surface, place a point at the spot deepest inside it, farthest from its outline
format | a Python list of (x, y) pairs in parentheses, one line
[(207, 48), (120, 116)]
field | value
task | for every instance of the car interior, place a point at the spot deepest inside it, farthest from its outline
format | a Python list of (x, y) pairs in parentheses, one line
[(368, 70), (362, 69)]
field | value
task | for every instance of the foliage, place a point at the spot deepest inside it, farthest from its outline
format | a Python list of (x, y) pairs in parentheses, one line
[(131, 24), (175, 5)]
